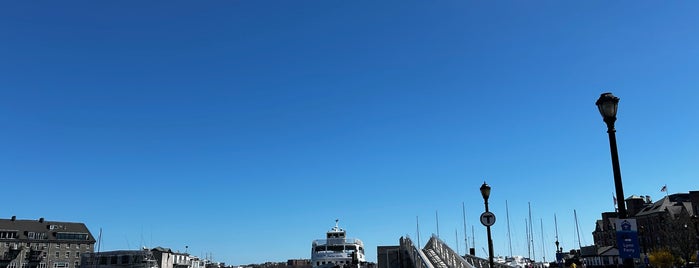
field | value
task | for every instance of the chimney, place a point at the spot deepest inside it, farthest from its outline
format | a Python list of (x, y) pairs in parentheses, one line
[(41, 219), (14, 218)]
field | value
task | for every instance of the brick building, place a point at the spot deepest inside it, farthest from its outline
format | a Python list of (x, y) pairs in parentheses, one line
[(43, 244)]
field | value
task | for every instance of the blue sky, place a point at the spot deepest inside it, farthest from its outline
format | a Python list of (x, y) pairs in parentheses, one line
[(243, 129)]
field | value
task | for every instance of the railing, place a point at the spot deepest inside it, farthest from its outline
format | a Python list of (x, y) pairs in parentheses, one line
[(446, 255), (437, 254), (418, 258), (337, 241)]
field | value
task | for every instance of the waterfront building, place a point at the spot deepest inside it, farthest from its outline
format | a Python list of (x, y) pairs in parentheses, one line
[(119, 259), (668, 224), (43, 244), (172, 259)]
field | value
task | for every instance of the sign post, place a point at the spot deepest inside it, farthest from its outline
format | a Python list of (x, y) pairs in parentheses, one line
[(627, 238)]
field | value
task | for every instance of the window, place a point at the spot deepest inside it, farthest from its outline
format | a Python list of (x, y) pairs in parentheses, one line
[(76, 264), (36, 235), (67, 254), (58, 245), (71, 236), (77, 254), (58, 254), (8, 234)]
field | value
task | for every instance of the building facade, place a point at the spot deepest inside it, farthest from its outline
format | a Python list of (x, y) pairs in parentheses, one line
[(43, 244), (668, 224)]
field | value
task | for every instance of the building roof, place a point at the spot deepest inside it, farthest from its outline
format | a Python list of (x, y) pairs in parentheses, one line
[(673, 204), (608, 251), (50, 228)]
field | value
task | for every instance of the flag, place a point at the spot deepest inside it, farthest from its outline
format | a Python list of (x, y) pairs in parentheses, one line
[(664, 189)]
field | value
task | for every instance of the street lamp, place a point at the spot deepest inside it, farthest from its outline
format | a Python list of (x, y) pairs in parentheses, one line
[(607, 105), (485, 192), (558, 254)]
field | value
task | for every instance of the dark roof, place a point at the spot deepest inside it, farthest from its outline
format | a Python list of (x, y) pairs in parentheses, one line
[(162, 249), (51, 228), (588, 251), (673, 204), (608, 251)]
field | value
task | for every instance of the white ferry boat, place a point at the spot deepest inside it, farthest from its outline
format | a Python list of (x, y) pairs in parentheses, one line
[(337, 250)]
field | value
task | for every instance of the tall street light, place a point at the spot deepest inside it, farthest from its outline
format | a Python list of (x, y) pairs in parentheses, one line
[(607, 105), (485, 192)]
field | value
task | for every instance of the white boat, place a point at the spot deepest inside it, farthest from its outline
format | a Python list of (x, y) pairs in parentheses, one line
[(518, 262), (336, 250)]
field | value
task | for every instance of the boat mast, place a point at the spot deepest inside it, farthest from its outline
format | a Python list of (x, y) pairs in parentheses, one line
[(543, 251), (577, 229), (463, 211), (456, 239), (529, 249), (417, 222), (473, 237), (531, 229), (555, 222), (509, 235), (436, 216)]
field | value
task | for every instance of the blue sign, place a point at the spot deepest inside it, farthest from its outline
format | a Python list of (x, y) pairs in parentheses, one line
[(627, 238)]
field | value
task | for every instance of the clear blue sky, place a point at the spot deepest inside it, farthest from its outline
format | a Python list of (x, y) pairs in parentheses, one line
[(243, 129)]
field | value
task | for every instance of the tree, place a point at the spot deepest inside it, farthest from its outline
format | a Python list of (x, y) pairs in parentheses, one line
[(662, 258)]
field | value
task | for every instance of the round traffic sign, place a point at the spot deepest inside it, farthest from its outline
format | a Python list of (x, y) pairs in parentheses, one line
[(488, 218)]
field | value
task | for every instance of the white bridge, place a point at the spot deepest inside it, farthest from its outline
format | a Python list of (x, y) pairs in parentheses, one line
[(436, 254)]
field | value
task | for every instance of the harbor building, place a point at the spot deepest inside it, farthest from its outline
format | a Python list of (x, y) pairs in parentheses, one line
[(671, 223), (43, 244)]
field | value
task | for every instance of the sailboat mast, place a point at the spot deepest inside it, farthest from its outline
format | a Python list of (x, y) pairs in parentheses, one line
[(473, 237), (555, 222), (463, 211), (531, 229), (509, 235), (577, 229), (417, 223), (456, 239), (529, 249), (436, 216), (543, 251)]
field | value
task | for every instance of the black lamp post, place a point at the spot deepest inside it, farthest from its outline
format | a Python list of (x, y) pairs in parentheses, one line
[(558, 252), (607, 105), (485, 192)]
